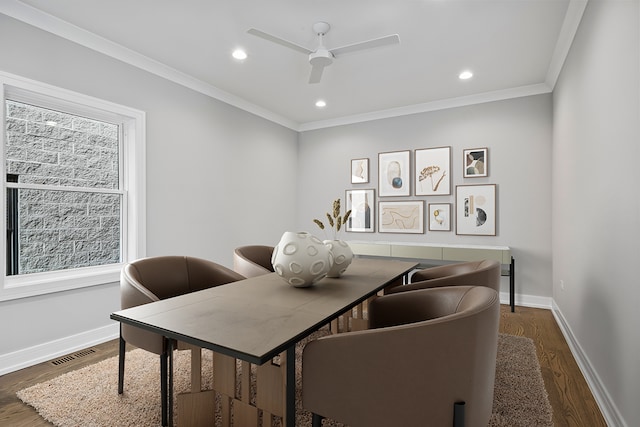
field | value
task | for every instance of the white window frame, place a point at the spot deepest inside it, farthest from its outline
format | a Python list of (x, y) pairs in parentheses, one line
[(133, 168)]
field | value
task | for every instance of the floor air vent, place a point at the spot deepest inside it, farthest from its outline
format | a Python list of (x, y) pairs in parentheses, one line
[(83, 353), (74, 356)]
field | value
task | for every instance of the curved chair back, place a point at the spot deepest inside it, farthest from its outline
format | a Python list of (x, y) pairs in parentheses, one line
[(426, 351), (156, 278), (253, 260), (476, 273)]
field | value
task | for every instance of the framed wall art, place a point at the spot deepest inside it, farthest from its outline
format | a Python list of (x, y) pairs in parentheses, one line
[(363, 210), (476, 162), (401, 217), (476, 210), (359, 171), (394, 174), (433, 171), (439, 217)]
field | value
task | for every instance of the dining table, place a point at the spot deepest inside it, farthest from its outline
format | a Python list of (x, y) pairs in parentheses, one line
[(256, 323)]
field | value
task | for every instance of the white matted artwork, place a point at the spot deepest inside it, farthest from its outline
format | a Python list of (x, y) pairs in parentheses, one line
[(439, 217), (394, 173), (401, 217), (361, 203), (433, 171), (476, 210), (359, 171)]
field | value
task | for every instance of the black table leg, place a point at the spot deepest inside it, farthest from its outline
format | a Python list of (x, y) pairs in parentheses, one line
[(512, 285), (121, 356), (164, 381), (290, 411), (170, 383)]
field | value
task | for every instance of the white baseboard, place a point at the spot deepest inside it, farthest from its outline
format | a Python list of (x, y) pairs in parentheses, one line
[(527, 300), (24, 358), (607, 406)]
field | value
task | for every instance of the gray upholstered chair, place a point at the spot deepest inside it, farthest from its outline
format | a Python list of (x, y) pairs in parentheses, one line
[(427, 355), (156, 278), (478, 273), (253, 260)]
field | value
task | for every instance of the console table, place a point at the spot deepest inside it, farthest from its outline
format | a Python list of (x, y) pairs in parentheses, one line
[(440, 252)]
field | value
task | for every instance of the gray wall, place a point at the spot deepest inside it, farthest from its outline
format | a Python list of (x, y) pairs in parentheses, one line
[(563, 174), (596, 209), (518, 135), (217, 177)]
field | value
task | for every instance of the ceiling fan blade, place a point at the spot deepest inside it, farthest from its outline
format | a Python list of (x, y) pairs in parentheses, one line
[(381, 41), (278, 40), (316, 74)]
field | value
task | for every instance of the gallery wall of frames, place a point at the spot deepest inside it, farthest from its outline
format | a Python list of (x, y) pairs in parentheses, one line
[(392, 205)]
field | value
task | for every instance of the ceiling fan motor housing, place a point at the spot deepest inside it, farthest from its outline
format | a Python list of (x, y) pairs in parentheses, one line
[(321, 58)]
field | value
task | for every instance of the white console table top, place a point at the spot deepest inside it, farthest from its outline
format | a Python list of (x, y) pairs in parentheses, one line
[(432, 251), (432, 245)]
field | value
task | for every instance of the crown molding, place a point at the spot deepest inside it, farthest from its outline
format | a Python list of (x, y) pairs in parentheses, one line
[(572, 19), (58, 27), (51, 24), (444, 104)]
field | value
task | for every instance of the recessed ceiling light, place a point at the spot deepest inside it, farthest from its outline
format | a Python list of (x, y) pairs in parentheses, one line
[(321, 103), (465, 75), (239, 54), (51, 123)]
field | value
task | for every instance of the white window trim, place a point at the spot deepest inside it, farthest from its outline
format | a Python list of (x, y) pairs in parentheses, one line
[(134, 206)]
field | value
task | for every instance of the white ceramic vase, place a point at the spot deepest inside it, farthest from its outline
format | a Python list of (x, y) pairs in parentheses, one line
[(342, 257), (301, 259)]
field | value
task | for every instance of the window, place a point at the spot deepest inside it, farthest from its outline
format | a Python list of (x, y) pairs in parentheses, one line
[(63, 190), (73, 169)]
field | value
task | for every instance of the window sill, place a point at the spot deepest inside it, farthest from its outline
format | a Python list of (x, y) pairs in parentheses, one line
[(16, 287)]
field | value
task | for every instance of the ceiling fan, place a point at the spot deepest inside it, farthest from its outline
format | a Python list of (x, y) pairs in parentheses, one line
[(321, 56)]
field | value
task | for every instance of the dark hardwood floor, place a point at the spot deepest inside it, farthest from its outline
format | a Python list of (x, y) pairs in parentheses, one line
[(572, 401), (569, 395)]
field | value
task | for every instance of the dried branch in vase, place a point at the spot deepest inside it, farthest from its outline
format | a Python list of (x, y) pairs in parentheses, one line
[(334, 219)]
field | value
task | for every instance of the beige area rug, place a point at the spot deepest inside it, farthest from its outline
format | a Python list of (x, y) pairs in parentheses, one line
[(88, 397)]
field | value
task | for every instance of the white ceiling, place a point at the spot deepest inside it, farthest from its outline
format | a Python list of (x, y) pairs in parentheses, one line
[(514, 48)]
